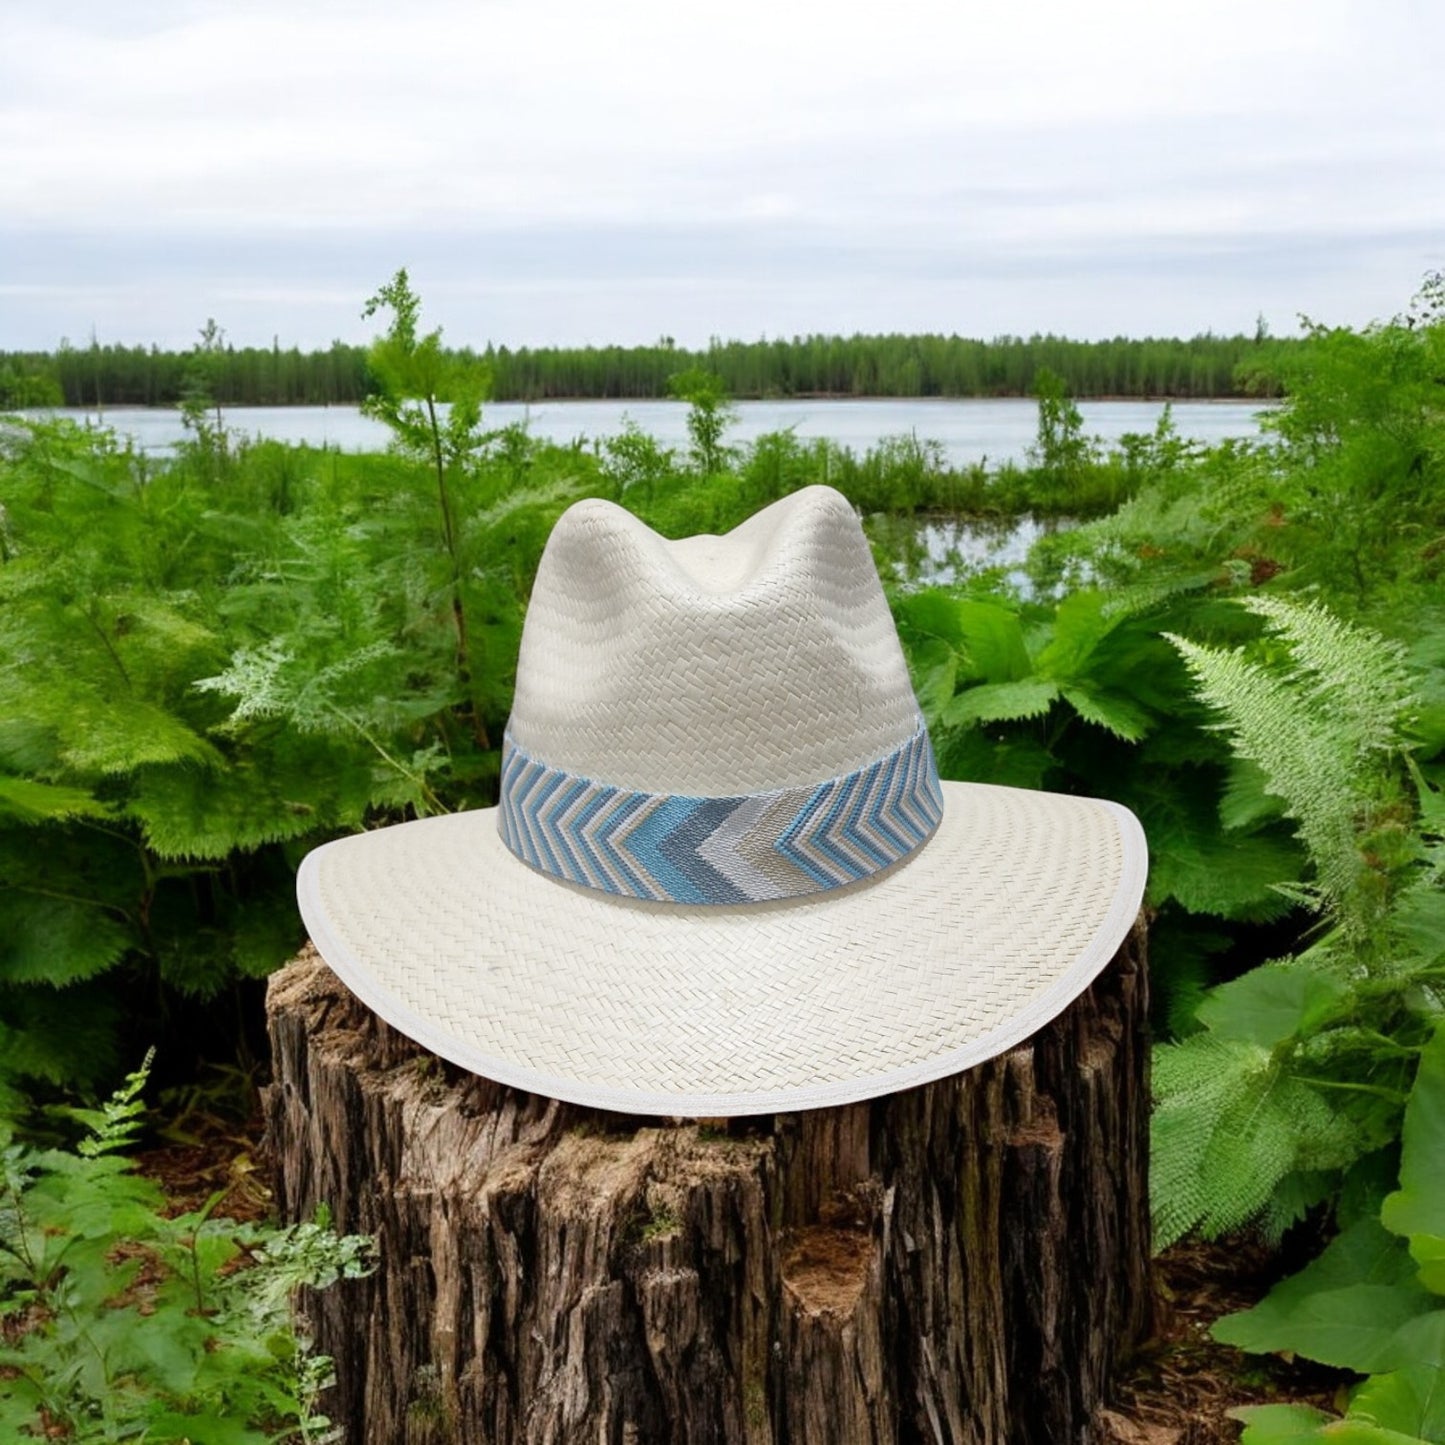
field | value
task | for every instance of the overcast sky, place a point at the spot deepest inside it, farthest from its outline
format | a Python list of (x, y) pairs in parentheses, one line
[(579, 171)]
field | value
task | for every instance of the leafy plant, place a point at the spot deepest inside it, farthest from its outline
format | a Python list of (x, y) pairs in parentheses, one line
[(1061, 453), (709, 414), (1373, 1302), (414, 379), (1302, 1065), (1085, 694), (200, 408), (201, 676), (120, 1322), (1362, 452)]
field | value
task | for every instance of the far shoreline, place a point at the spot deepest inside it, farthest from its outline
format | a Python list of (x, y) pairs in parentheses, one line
[(1151, 399)]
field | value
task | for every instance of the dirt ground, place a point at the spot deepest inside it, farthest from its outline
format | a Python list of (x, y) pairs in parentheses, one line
[(1180, 1387)]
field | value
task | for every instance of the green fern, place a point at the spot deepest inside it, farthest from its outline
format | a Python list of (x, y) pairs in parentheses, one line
[(1324, 721), (1230, 1126), (1302, 1067), (126, 1321)]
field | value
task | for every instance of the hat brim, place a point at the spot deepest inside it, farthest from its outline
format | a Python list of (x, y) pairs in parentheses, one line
[(965, 948)]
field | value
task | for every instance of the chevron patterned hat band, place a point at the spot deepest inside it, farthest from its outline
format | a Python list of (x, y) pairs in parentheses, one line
[(747, 849)]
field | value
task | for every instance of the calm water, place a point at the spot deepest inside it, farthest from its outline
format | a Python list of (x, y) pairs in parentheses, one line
[(941, 551), (968, 430)]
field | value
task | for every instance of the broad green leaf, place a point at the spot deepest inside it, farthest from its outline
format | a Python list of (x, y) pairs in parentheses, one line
[(1343, 1309), (1193, 860), (1418, 1206), (1304, 1425), (933, 611), (935, 674), (1361, 1432), (1411, 1400), (1001, 702), (1281, 1424), (1122, 716), (1428, 1251), (1421, 1341), (27, 801), (1081, 621), (992, 641), (1270, 1004), (57, 941), (213, 1429), (1352, 1328), (988, 636)]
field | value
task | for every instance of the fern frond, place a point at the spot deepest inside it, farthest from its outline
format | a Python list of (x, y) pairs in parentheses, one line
[(1321, 727), (1359, 676), (254, 680), (116, 1123), (1230, 1125), (270, 681)]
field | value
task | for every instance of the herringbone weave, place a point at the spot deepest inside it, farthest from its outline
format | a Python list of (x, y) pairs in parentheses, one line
[(780, 844)]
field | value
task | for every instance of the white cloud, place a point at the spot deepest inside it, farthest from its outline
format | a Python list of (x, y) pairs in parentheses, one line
[(787, 141)]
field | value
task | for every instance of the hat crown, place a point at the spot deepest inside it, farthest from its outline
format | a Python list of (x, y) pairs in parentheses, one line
[(763, 659)]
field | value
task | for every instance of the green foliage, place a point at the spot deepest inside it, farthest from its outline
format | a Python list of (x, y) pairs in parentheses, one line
[(1201, 366), (1362, 447), (414, 378), (1061, 453), (1086, 695), (636, 464), (1372, 1302), (200, 410), (1299, 1068), (708, 416), (28, 382), (198, 675), (1323, 716), (209, 664), (123, 1322)]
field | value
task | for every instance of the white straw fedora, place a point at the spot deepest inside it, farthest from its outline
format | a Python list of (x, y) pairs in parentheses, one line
[(723, 877)]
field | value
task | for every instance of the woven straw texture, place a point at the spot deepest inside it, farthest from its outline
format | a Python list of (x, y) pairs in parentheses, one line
[(978, 939), (715, 667)]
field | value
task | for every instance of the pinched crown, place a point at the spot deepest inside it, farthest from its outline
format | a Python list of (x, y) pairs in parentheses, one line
[(758, 660)]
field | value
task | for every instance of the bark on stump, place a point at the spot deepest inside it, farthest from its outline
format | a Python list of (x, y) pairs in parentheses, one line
[(960, 1262)]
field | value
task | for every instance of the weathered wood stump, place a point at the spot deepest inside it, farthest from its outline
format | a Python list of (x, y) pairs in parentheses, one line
[(961, 1262)]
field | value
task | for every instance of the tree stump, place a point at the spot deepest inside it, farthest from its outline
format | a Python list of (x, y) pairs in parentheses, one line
[(960, 1262)]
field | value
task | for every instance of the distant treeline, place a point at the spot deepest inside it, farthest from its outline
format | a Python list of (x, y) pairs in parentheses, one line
[(902, 366)]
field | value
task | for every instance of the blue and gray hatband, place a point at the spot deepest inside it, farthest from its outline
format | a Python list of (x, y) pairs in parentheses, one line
[(746, 849)]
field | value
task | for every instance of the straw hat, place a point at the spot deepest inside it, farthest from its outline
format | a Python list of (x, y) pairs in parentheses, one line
[(723, 877)]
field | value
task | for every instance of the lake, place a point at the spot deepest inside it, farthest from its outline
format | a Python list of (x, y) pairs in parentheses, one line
[(969, 430)]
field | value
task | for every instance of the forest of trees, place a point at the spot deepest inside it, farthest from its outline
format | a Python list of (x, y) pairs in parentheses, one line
[(891, 366)]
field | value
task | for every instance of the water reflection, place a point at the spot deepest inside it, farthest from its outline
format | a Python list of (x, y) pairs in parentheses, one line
[(944, 551)]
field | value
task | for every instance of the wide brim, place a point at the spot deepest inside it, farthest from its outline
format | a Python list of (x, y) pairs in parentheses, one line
[(965, 948)]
